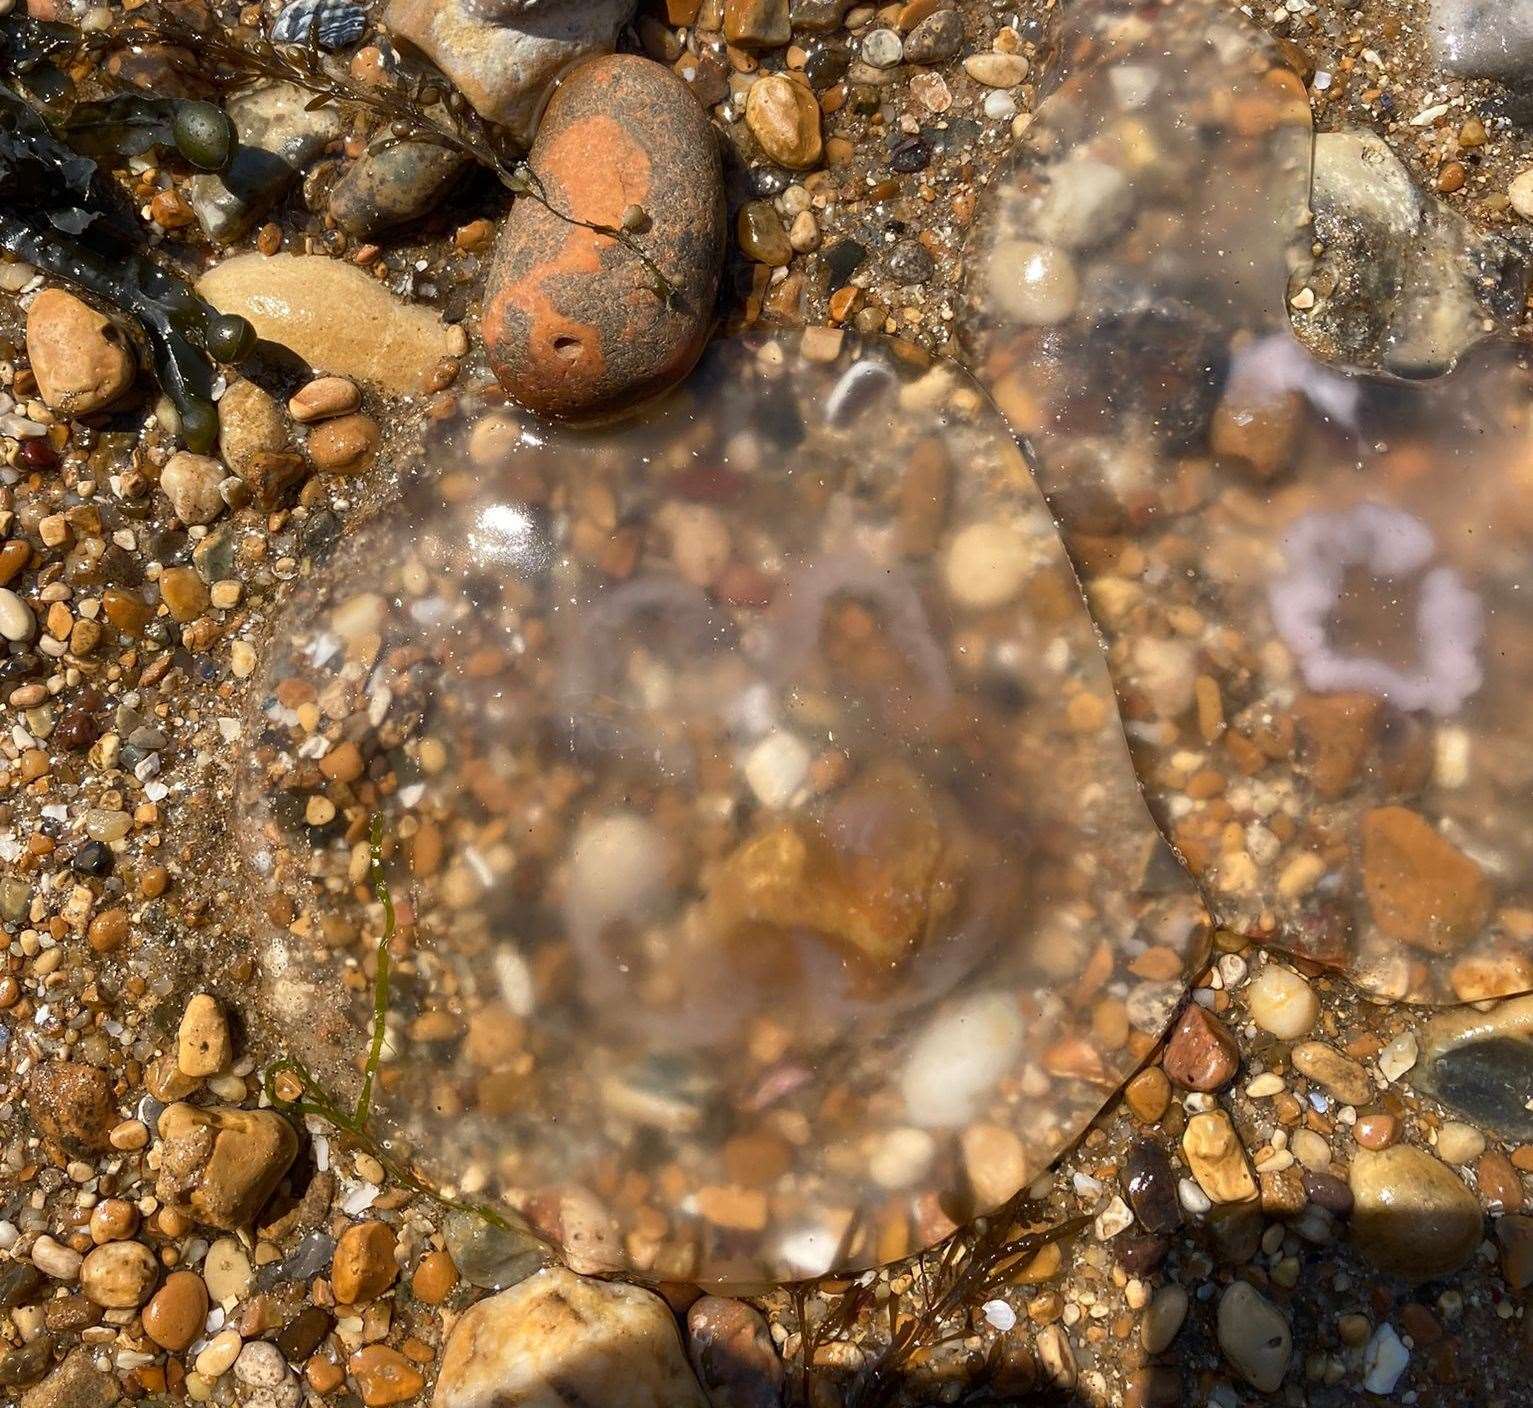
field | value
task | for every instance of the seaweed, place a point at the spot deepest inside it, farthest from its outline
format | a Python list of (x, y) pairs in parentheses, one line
[(60, 214), (407, 113), (948, 1283), (355, 1121)]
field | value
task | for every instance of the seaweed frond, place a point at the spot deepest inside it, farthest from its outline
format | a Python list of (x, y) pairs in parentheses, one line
[(355, 1121), (948, 1283)]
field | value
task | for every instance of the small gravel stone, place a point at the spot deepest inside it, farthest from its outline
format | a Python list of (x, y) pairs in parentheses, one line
[(119, 1275), (324, 397), (1202, 1053), (784, 118), (1217, 1158), (1282, 1002), (1385, 1360), (16, 620), (191, 484), (363, 1267), (1163, 1318), (1254, 1336), (203, 1045), (1459, 1143), (1412, 1215), (1520, 193), (1340, 1076), (176, 1312), (936, 39), (882, 48), (54, 1259), (996, 70)]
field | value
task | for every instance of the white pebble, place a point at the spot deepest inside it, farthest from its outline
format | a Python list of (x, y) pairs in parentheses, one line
[(883, 48), (16, 620), (959, 1059), (1000, 1315), (1399, 1056), (776, 768), (54, 1259), (1113, 1219), (1282, 1002), (1384, 1361), (1520, 193), (999, 105), (1192, 1198), (985, 566)]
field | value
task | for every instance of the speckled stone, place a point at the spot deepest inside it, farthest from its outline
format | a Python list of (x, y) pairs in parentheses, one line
[(574, 325)]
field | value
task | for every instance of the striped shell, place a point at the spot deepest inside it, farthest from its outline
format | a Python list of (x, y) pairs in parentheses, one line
[(338, 22)]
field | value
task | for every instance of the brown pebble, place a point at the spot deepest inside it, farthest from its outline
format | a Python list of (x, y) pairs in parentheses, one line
[(384, 1376), (435, 1276), (363, 1266), (108, 931), (346, 445), (1148, 1094), (1376, 1131), (1421, 889), (184, 593), (177, 1311), (324, 397), (1499, 1182), (1201, 1053)]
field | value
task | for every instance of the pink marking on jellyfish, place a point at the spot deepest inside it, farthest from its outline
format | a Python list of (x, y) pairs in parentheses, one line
[(1389, 544), (1270, 367)]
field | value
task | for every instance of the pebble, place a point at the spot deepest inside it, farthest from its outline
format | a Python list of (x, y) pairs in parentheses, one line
[(936, 39), (1254, 1336), (335, 317), (345, 444), (226, 1271), (1399, 1056), (203, 1045), (221, 1165), (1514, 1235), (184, 593), (82, 360), (958, 1059), (54, 1259), (191, 484), (279, 136), (761, 235), (996, 70), (322, 398), (434, 1278), (1340, 1076), (784, 117), (994, 1162), (559, 1337), (71, 1103), (1151, 1187), (572, 325), (253, 441), (1385, 1360), (1412, 1215), (364, 1266), (119, 1275), (733, 1355), (1034, 284), (882, 48), (985, 565), (1282, 1002), (1217, 1158), (1202, 1053), (176, 1312), (260, 1365), (218, 1355), (1163, 1318), (1148, 1095), (17, 622), (1459, 1143), (385, 1377), (389, 185), (1520, 193), (506, 58), (1421, 889)]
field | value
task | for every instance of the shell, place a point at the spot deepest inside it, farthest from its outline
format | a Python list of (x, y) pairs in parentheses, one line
[(340, 23)]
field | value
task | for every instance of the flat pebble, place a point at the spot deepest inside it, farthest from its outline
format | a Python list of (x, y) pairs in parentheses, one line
[(1254, 1336)]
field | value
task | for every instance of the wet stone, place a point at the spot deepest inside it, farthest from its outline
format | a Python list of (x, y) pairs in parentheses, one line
[(82, 360), (304, 1333), (20, 1284), (392, 185), (600, 1342), (1202, 1053), (28, 1363), (72, 1103), (936, 39), (1254, 1336), (492, 1258), (572, 324), (1481, 1064), (1340, 1076), (1412, 1214), (1150, 1184), (733, 1355)]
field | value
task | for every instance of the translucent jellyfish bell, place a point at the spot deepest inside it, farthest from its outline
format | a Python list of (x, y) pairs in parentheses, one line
[(1314, 586), (774, 886)]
